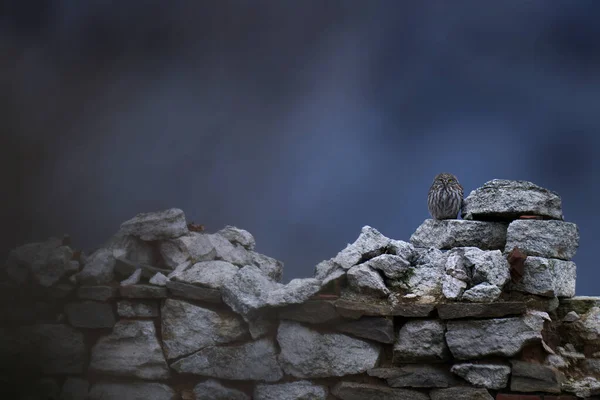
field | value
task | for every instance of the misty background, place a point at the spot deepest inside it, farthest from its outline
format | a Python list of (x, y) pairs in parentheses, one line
[(300, 121)]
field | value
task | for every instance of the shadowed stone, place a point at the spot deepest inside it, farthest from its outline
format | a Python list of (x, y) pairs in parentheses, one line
[(99, 293), (137, 309), (311, 311), (212, 389), (193, 292), (530, 377), (488, 310), (460, 392), (489, 376), (75, 389), (133, 391), (90, 314), (391, 265), (368, 391), (416, 376), (143, 292), (373, 328), (127, 267), (290, 391), (355, 309)]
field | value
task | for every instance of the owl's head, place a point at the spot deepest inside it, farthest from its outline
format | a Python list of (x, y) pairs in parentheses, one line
[(446, 179)]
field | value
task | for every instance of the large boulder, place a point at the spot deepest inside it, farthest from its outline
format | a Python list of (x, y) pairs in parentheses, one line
[(549, 239), (450, 233)]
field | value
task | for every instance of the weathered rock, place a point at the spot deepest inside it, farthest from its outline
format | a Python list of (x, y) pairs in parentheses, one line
[(592, 366), (453, 288), (269, 266), (57, 264), (51, 348), (327, 272), (308, 354), (416, 376), (367, 391), (187, 328), (253, 361), (421, 340), (132, 350), (238, 236), (355, 309), (137, 309), (579, 304), (131, 248), (363, 279), (450, 233), (290, 391), (391, 265), (125, 267), (425, 277), (489, 376), (571, 316), (98, 269), (470, 339), (211, 274), (158, 280), (403, 249), (212, 389), (133, 391), (488, 310), (193, 292), (482, 293), (143, 292), (133, 278), (547, 277), (503, 199), (260, 324), (530, 377), (297, 291), (460, 392), (373, 328), (90, 314), (370, 243), (34, 256), (159, 225), (585, 387), (175, 252), (588, 327), (311, 311), (486, 266), (548, 239), (75, 389)]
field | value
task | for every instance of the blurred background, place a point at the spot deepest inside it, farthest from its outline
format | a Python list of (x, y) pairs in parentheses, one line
[(300, 121)]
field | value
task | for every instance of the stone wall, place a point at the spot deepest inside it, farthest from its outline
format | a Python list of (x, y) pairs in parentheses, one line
[(478, 308)]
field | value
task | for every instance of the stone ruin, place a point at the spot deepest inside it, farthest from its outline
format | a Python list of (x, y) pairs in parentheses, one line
[(473, 309)]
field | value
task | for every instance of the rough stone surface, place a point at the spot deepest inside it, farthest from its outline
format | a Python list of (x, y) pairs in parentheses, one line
[(132, 350), (585, 387), (308, 354), (372, 328), (299, 390), (143, 292), (75, 389), (588, 327), (133, 391), (530, 377), (159, 225), (365, 280), (249, 361), (470, 339), (33, 258), (193, 292), (211, 274), (370, 243), (311, 311), (269, 266), (187, 328), (99, 293), (460, 392), (453, 288), (489, 376), (133, 279), (174, 252), (548, 239), (212, 389), (131, 248), (90, 314), (416, 376), (547, 277), (486, 266), (98, 269), (421, 340), (391, 265), (137, 309), (356, 309), (447, 234), (238, 236), (125, 267), (490, 310), (368, 391), (482, 293), (51, 348), (158, 280), (506, 199), (425, 277)]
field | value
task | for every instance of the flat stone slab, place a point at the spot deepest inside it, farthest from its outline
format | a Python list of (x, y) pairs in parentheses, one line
[(369, 391), (548, 239), (502, 199), (379, 329), (480, 310), (159, 225), (530, 377), (547, 277), (137, 308), (311, 311), (137, 390), (579, 304), (489, 376), (306, 353), (505, 337), (460, 392), (450, 233), (98, 293), (211, 274), (290, 391), (193, 292), (90, 314), (212, 389), (131, 350), (356, 309), (421, 341), (143, 292), (255, 361), (416, 376), (187, 328)]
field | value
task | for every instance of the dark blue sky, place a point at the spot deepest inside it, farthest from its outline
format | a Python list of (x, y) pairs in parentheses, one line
[(299, 121)]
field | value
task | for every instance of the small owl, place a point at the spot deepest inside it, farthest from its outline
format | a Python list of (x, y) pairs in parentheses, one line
[(445, 197)]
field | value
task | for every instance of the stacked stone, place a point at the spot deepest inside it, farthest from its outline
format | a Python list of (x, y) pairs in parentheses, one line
[(165, 312)]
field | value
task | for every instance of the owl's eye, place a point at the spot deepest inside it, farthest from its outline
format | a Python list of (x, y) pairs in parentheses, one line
[(450, 180)]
